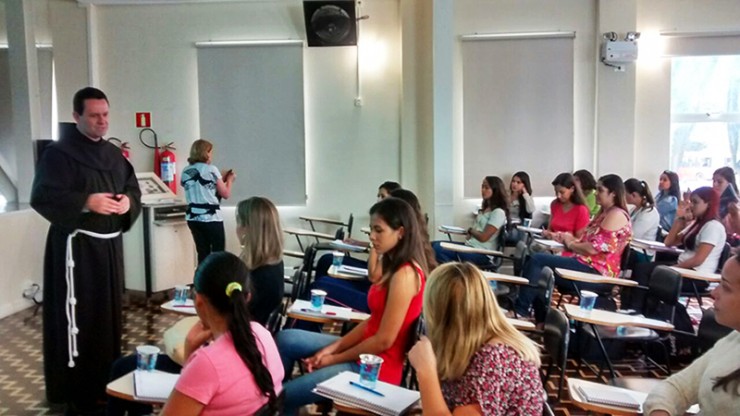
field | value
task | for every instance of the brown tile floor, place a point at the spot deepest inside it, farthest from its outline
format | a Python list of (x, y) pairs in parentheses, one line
[(21, 372)]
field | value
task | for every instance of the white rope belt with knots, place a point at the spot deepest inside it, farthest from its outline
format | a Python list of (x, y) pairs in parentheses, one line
[(71, 304)]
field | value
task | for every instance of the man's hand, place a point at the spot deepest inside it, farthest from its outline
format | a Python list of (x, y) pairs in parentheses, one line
[(104, 203), (124, 202)]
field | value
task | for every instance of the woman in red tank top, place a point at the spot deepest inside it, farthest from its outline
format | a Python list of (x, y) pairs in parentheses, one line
[(395, 302)]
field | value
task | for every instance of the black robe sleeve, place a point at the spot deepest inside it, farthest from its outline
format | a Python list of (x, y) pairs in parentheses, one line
[(55, 193), (133, 193)]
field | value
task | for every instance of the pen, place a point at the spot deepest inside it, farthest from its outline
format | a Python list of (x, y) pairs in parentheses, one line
[(315, 311), (183, 306), (375, 392)]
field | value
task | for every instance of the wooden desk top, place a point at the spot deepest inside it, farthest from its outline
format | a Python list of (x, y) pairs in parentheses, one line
[(340, 245), (188, 309), (123, 388), (608, 318), (521, 324), (693, 274), (307, 233), (294, 253), (467, 249), (550, 244), (356, 317), (448, 229), (601, 408), (319, 219), (593, 278), (505, 278)]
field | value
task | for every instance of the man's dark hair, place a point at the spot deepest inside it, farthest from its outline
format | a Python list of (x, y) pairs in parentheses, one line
[(78, 102)]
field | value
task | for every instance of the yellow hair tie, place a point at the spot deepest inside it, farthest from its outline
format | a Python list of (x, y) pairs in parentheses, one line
[(231, 287)]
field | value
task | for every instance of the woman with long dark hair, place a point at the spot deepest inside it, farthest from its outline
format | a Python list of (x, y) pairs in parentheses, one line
[(395, 302), (723, 181), (568, 211), (645, 218), (713, 380), (233, 365), (521, 203), (492, 217), (666, 200), (598, 251), (698, 230)]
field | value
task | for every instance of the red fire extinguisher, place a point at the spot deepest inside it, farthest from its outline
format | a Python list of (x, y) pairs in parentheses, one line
[(169, 166), (124, 146)]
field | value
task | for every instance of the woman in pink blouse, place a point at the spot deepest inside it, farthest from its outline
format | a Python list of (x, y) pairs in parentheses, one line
[(599, 250), (474, 361)]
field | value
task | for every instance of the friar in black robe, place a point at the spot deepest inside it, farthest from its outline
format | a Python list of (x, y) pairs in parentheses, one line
[(68, 174)]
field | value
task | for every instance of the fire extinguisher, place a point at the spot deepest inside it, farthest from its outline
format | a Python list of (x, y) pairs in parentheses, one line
[(169, 166), (124, 146)]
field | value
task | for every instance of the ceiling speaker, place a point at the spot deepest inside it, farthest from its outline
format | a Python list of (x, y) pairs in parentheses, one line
[(330, 23)]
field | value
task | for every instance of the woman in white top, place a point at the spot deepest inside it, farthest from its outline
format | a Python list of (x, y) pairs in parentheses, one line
[(492, 217), (645, 218), (697, 229), (713, 380)]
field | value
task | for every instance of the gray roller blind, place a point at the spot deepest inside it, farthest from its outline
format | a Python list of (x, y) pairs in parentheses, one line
[(517, 110), (701, 45), (251, 108)]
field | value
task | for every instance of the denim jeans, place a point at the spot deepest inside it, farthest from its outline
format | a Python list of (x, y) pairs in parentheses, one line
[(295, 344), (445, 256), (533, 268)]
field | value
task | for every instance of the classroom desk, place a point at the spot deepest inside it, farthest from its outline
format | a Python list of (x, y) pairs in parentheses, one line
[(653, 246), (529, 230), (593, 278), (452, 230), (300, 232), (695, 276), (356, 317), (551, 245), (461, 248), (188, 309), (365, 230), (337, 274), (505, 278), (320, 219), (123, 388), (581, 402), (340, 245), (522, 325), (612, 319)]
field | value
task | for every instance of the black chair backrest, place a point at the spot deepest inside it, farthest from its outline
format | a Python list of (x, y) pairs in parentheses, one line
[(723, 257), (547, 410), (350, 223), (546, 283), (710, 331), (274, 319), (665, 285), (521, 253), (556, 336)]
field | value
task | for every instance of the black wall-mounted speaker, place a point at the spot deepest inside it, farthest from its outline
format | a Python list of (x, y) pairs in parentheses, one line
[(330, 23)]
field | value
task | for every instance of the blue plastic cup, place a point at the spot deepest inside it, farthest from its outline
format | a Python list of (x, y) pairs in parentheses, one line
[(494, 285), (527, 222), (146, 357), (369, 369), (337, 259), (621, 331), (317, 299), (588, 300), (182, 293)]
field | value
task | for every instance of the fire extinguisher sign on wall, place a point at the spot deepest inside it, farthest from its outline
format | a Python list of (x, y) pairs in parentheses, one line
[(143, 119)]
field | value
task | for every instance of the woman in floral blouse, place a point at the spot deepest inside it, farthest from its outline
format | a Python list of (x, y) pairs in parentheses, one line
[(598, 251), (474, 361)]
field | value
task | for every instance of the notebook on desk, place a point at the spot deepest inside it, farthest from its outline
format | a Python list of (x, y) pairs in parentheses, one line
[(357, 271), (393, 400), (453, 229), (154, 386), (608, 397)]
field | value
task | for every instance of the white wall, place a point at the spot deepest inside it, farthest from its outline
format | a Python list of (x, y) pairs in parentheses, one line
[(22, 248)]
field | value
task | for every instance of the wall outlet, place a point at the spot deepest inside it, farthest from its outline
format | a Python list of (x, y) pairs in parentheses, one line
[(358, 101)]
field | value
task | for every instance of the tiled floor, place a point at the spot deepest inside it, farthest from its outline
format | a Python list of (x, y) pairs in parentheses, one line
[(21, 373)]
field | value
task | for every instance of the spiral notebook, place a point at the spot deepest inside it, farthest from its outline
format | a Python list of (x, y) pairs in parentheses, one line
[(608, 398), (394, 400)]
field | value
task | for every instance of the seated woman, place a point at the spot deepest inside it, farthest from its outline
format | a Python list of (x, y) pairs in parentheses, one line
[(353, 293), (712, 380), (568, 211), (723, 181), (491, 219), (645, 218), (521, 204), (598, 251), (474, 361), (585, 180), (702, 236), (259, 232), (233, 365), (666, 200), (395, 302)]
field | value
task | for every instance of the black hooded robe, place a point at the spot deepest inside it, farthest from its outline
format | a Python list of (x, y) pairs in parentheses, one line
[(68, 172)]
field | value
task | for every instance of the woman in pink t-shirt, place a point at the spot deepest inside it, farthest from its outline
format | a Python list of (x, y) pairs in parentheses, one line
[(233, 366)]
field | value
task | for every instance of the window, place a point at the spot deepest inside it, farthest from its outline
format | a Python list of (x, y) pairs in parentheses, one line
[(705, 117)]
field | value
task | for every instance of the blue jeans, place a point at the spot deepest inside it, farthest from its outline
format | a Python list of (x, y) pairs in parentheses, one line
[(295, 344), (445, 256), (533, 269)]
